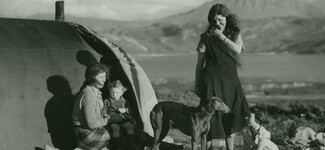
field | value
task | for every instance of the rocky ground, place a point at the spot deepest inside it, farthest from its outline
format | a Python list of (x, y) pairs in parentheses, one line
[(290, 105)]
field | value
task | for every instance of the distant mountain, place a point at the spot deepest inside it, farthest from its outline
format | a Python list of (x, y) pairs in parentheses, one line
[(279, 35), (257, 9), (95, 23), (294, 26)]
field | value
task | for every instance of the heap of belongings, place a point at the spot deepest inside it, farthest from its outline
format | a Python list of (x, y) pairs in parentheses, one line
[(307, 139)]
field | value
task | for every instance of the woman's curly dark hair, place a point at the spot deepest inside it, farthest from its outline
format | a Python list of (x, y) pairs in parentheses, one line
[(232, 29), (217, 9)]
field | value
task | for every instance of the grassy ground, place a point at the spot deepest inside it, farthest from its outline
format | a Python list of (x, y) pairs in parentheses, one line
[(290, 104)]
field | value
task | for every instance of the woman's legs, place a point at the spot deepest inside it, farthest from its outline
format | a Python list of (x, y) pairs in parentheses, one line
[(91, 139), (209, 145), (230, 141)]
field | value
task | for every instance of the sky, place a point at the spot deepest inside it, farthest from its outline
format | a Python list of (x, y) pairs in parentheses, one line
[(106, 9)]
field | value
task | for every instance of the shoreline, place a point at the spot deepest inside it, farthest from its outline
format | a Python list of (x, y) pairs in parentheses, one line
[(283, 67), (162, 54), (194, 53), (244, 80), (279, 98)]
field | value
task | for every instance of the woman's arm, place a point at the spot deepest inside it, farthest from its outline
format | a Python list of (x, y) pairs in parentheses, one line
[(92, 119), (106, 109), (198, 71), (236, 46)]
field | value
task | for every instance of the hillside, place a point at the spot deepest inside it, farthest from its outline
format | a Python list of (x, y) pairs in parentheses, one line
[(280, 26), (294, 26), (257, 9), (294, 35), (289, 34)]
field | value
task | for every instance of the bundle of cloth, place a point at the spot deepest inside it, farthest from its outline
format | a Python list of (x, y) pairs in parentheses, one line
[(307, 138)]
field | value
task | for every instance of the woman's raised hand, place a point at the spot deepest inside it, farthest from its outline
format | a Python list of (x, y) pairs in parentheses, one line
[(219, 34)]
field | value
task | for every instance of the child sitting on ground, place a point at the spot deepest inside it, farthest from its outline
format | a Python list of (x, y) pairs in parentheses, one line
[(258, 138), (118, 112)]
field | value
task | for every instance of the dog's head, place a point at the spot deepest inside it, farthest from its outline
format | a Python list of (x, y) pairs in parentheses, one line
[(217, 104)]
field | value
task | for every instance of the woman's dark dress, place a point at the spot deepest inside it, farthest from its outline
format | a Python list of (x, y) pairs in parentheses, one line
[(220, 78)]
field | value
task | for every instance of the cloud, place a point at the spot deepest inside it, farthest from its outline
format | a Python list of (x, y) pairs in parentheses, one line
[(109, 9), (23, 8), (101, 11), (125, 9)]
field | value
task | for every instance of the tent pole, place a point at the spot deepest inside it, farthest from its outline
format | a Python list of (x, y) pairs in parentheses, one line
[(59, 11)]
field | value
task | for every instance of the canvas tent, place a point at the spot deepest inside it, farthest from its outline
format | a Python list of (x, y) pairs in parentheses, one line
[(34, 51)]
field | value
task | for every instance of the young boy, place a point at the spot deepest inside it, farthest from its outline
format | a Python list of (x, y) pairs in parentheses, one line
[(118, 112)]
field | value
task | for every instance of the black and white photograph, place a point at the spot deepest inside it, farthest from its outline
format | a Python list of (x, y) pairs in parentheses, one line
[(162, 74)]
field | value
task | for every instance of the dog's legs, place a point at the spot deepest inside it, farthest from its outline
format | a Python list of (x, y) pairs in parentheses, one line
[(195, 138), (156, 123), (230, 141), (204, 141), (204, 136), (164, 129)]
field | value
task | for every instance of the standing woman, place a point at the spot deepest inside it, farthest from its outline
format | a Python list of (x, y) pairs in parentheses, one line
[(216, 73), (87, 115)]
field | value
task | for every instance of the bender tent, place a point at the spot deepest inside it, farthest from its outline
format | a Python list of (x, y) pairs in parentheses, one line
[(42, 58)]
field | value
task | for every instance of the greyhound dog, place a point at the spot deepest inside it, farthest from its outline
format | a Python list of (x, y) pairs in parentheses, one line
[(192, 121)]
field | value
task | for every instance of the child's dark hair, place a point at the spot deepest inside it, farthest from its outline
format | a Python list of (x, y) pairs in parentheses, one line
[(261, 114), (117, 84)]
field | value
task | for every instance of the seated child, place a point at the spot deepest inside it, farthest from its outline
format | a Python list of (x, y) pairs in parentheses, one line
[(258, 138), (118, 113)]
